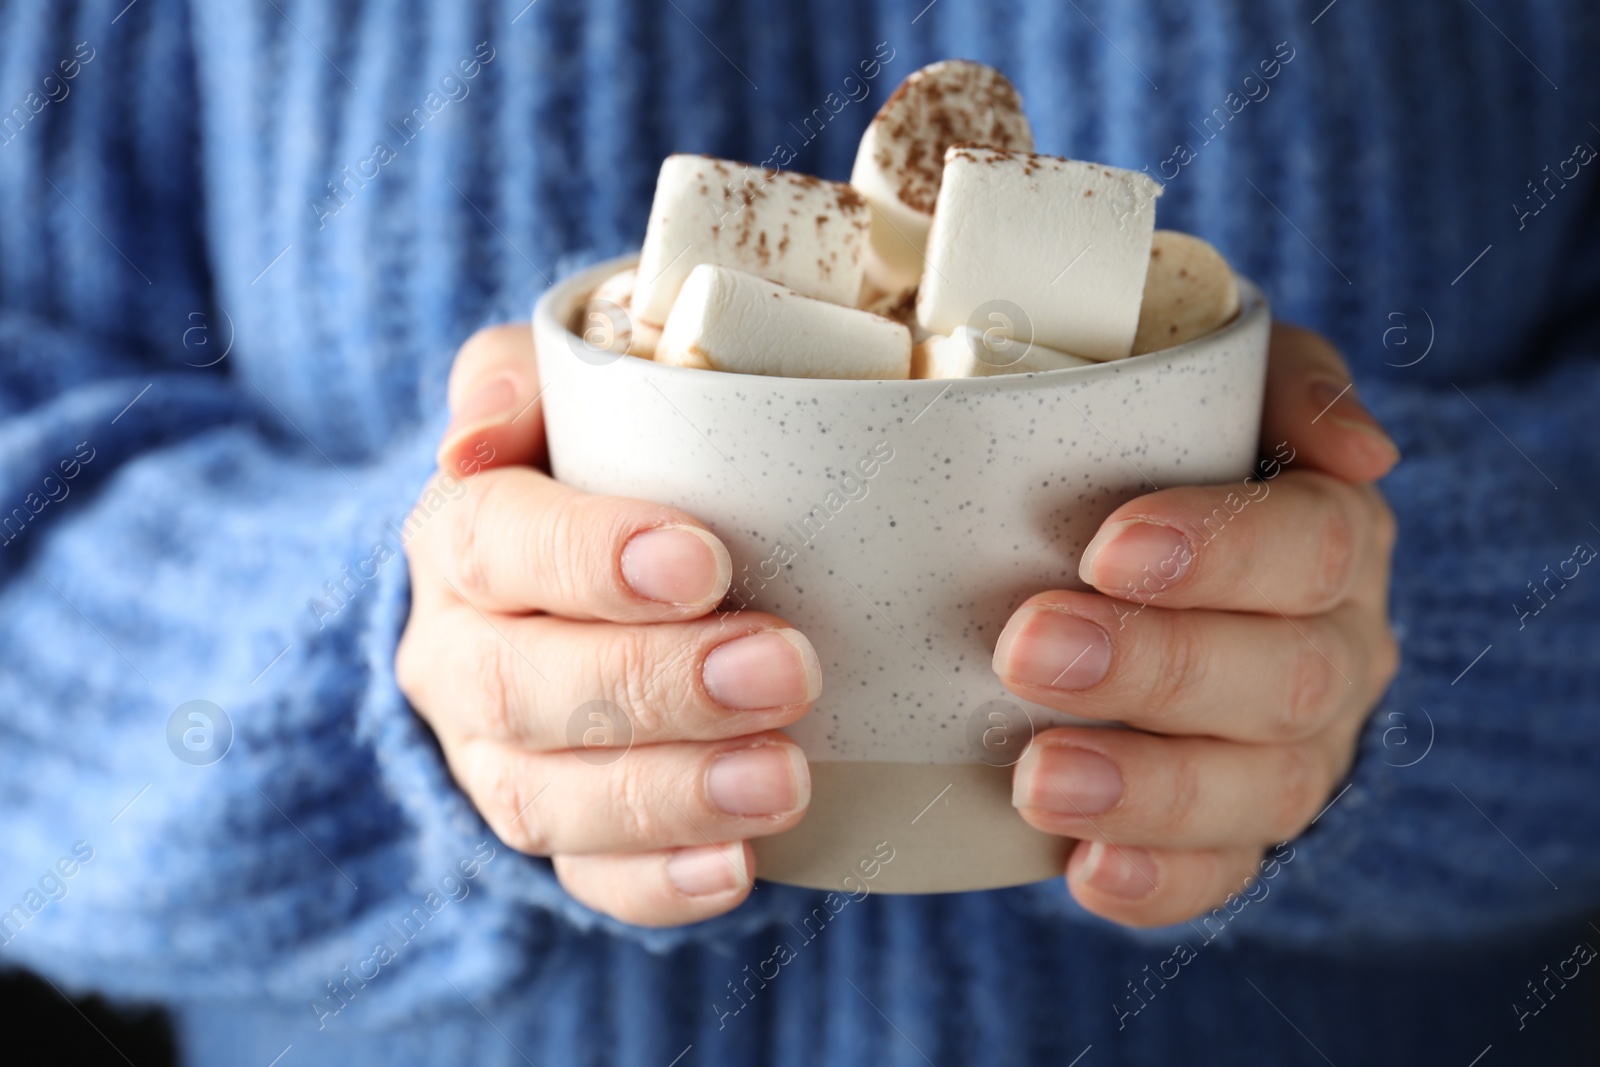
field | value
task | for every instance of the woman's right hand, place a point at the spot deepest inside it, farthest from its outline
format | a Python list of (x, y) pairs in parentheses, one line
[(564, 649)]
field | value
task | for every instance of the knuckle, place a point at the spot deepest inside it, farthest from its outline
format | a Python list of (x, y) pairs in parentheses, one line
[(640, 686), (1302, 785), (469, 543), (1333, 569), (1223, 541), (636, 803), (516, 818), (562, 552), (1181, 670), (1307, 702), (1183, 803), (491, 689)]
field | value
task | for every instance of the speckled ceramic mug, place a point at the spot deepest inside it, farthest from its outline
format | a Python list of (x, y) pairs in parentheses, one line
[(898, 524)]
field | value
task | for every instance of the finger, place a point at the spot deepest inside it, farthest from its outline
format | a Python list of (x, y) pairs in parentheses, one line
[(1298, 545), (1144, 887), (1240, 677), (495, 417), (1311, 412), (648, 797), (668, 888), (517, 540), (429, 593), (548, 683), (1131, 788)]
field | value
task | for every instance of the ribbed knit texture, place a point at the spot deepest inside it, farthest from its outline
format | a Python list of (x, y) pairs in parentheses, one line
[(176, 204)]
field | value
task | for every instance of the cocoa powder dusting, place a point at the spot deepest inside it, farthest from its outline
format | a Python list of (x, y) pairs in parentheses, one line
[(905, 308), (956, 102)]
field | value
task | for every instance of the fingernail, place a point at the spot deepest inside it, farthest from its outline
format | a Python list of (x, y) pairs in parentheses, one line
[(765, 780), (1053, 649), (1068, 780), (677, 564), (1147, 555), (1374, 440), (495, 397), (772, 669), (1326, 392), (708, 870), (1338, 402), (1118, 871)]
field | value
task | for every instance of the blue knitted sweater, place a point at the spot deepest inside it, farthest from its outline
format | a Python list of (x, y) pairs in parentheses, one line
[(240, 242)]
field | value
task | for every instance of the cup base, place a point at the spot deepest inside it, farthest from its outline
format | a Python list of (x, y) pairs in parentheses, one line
[(950, 828)]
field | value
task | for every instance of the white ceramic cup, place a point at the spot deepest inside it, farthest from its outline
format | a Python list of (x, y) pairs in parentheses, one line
[(898, 524)]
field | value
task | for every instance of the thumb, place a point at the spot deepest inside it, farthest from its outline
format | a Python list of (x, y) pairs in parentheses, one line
[(495, 416)]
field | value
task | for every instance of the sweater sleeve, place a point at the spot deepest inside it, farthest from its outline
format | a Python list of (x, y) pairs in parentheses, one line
[(186, 550), (1473, 795), (1470, 812), (210, 782), (1471, 803)]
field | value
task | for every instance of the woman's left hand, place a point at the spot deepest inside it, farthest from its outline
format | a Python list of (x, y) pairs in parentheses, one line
[(1241, 630)]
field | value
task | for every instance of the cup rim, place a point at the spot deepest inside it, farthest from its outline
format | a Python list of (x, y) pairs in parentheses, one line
[(554, 308)]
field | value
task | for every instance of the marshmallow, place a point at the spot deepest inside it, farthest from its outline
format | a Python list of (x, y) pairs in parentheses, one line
[(1065, 243), (1189, 291), (729, 320), (606, 321), (793, 229), (901, 306), (901, 157), (970, 353), (618, 288)]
